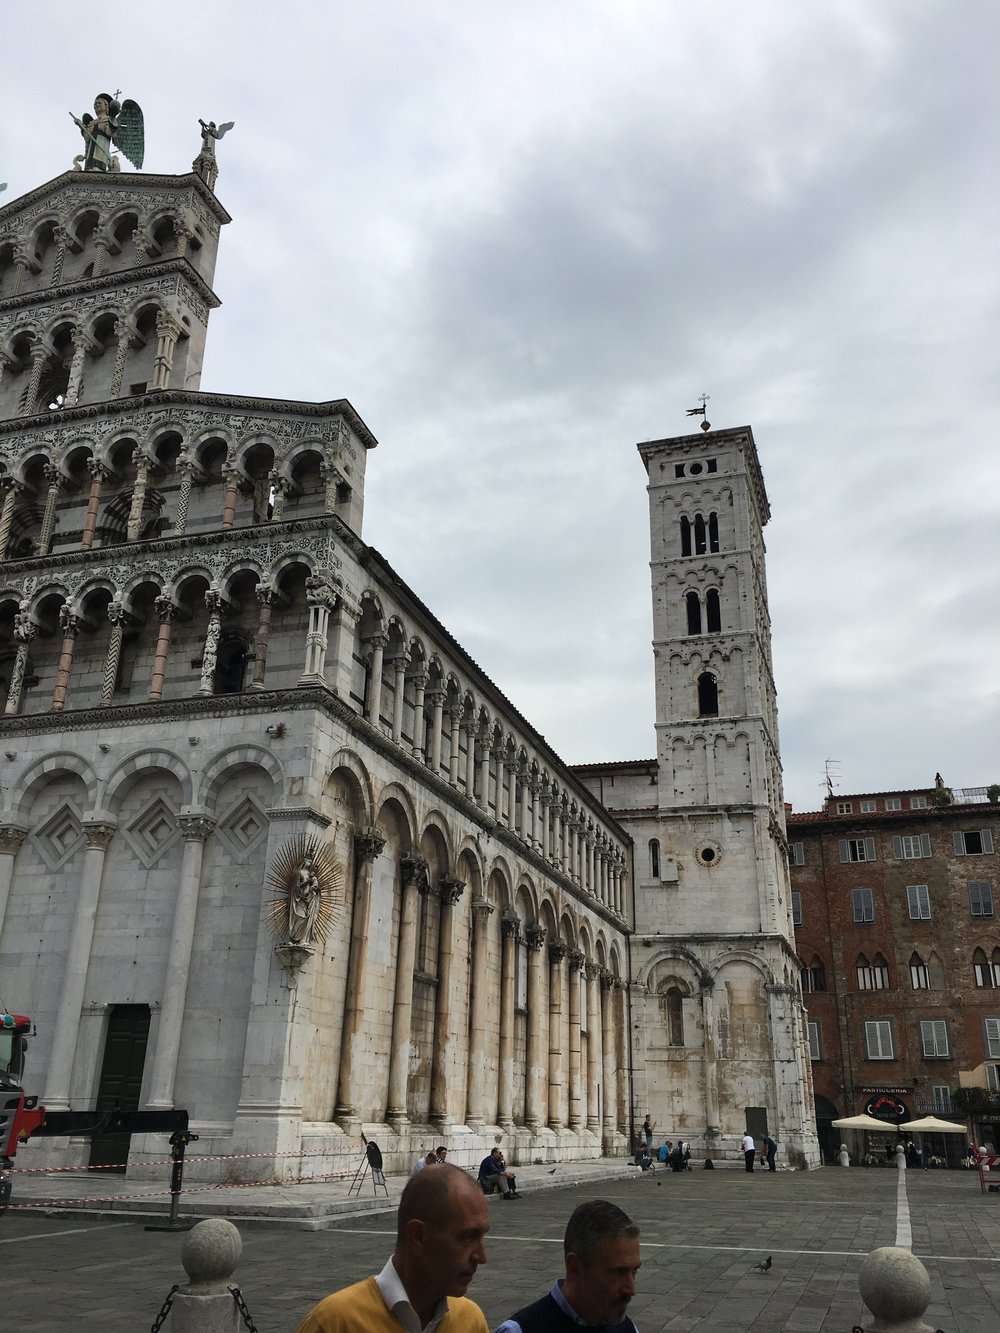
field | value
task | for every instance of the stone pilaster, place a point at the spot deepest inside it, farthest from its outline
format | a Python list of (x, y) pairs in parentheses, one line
[(367, 846)]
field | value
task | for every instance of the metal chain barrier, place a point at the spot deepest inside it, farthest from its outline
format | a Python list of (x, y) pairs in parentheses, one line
[(164, 1309), (241, 1305)]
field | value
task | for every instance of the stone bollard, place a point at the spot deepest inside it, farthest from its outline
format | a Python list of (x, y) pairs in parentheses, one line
[(844, 1157), (210, 1254), (900, 1157), (896, 1288)]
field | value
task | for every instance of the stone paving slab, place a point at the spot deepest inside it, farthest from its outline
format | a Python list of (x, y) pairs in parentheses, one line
[(702, 1232)]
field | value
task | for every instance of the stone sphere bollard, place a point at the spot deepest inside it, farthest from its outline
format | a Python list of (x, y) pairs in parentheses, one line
[(896, 1287), (843, 1156), (900, 1157), (209, 1254)]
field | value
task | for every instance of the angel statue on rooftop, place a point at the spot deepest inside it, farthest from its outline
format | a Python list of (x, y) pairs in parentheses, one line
[(205, 164), (113, 122)]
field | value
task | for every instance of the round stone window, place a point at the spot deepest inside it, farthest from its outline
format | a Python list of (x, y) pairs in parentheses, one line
[(709, 854), (695, 469)]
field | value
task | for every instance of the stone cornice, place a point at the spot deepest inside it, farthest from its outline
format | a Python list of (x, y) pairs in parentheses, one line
[(133, 552), (47, 297), (126, 407), (114, 181)]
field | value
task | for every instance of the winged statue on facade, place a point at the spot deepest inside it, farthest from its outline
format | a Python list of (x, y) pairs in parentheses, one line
[(113, 123)]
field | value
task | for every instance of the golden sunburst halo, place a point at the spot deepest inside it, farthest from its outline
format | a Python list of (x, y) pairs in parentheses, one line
[(281, 877)]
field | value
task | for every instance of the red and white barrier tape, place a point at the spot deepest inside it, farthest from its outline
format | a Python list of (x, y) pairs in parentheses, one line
[(190, 1160), (196, 1189)]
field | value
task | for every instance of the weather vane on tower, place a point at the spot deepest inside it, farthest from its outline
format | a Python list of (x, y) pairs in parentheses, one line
[(701, 412)]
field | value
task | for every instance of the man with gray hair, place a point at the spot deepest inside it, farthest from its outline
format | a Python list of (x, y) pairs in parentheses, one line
[(601, 1249)]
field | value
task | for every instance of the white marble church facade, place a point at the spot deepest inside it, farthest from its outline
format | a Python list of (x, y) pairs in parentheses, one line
[(202, 661)]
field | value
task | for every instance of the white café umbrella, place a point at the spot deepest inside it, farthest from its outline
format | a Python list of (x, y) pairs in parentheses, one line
[(864, 1122), (930, 1124)]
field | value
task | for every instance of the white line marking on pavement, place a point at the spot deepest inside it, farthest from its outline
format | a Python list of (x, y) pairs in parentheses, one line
[(76, 1231), (904, 1233)]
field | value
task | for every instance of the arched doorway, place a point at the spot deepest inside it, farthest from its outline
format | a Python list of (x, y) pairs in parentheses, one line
[(829, 1140)]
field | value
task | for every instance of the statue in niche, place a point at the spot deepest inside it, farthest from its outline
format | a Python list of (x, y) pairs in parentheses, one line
[(113, 122), (309, 891)]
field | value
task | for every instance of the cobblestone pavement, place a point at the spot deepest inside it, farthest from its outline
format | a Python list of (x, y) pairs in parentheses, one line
[(702, 1232)]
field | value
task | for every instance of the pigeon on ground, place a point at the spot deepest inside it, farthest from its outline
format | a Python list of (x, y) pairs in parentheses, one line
[(552, 1172), (764, 1266)]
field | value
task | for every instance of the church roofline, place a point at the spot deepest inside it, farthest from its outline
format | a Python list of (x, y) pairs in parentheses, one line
[(124, 407), (115, 180)]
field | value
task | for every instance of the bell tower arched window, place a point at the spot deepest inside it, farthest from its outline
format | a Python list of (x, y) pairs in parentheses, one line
[(693, 603), (685, 535), (700, 535), (713, 612), (708, 695), (675, 1017), (713, 532), (654, 858)]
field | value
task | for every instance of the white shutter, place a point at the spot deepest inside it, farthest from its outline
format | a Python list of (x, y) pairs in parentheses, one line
[(992, 1028), (958, 842), (869, 849), (845, 851), (925, 844), (987, 838), (897, 848)]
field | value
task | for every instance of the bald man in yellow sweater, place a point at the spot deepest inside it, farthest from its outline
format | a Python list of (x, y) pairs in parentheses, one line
[(441, 1231)]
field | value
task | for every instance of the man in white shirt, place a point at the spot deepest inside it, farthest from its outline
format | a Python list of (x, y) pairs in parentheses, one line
[(749, 1149)]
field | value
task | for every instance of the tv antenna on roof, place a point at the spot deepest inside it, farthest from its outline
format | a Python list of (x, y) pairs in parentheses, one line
[(701, 412), (829, 775)]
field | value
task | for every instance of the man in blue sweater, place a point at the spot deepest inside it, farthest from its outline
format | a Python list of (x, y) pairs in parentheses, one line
[(602, 1258)]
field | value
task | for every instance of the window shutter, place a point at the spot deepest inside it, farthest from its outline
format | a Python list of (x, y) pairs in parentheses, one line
[(987, 838), (897, 848), (925, 844), (958, 842), (869, 849), (845, 851), (992, 1026)]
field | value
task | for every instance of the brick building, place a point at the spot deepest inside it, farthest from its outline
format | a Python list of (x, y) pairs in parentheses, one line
[(893, 900)]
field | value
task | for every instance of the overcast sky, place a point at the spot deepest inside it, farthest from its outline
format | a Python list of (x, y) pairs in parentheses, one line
[(521, 237)]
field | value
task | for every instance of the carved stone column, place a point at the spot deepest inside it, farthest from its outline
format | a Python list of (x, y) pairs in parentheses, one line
[(610, 1108), (266, 598), (622, 1052), (40, 354), (128, 336), (450, 890), (522, 822), (496, 754), (12, 837), (484, 771), (437, 712), (711, 1063), (232, 477), (575, 1045), (557, 954), (102, 244), (419, 685), (167, 333), (11, 490), (510, 764), (534, 1073), (70, 626), (82, 344), (399, 665), (455, 721), (59, 241), (166, 610), (55, 482), (195, 826), (331, 477), (546, 842), (280, 488), (340, 658), (142, 466), (321, 597), (479, 1000), (470, 760), (118, 618), (413, 876), (511, 930), (595, 1054), (210, 656), (25, 630), (367, 846), (536, 813), (98, 831), (187, 468), (373, 703), (98, 476)]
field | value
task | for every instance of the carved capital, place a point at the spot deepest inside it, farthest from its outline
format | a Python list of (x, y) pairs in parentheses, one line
[(510, 925), (98, 835), (214, 601), (53, 477), (117, 613), (98, 470), (195, 828), (576, 960), (534, 937), (69, 623), (451, 889), (482, 908), (11, 838), (25, 628), (165, 608), (368, 845), (266, 594), (592, 971), (321, 591), (413, 870), (557, 952)]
